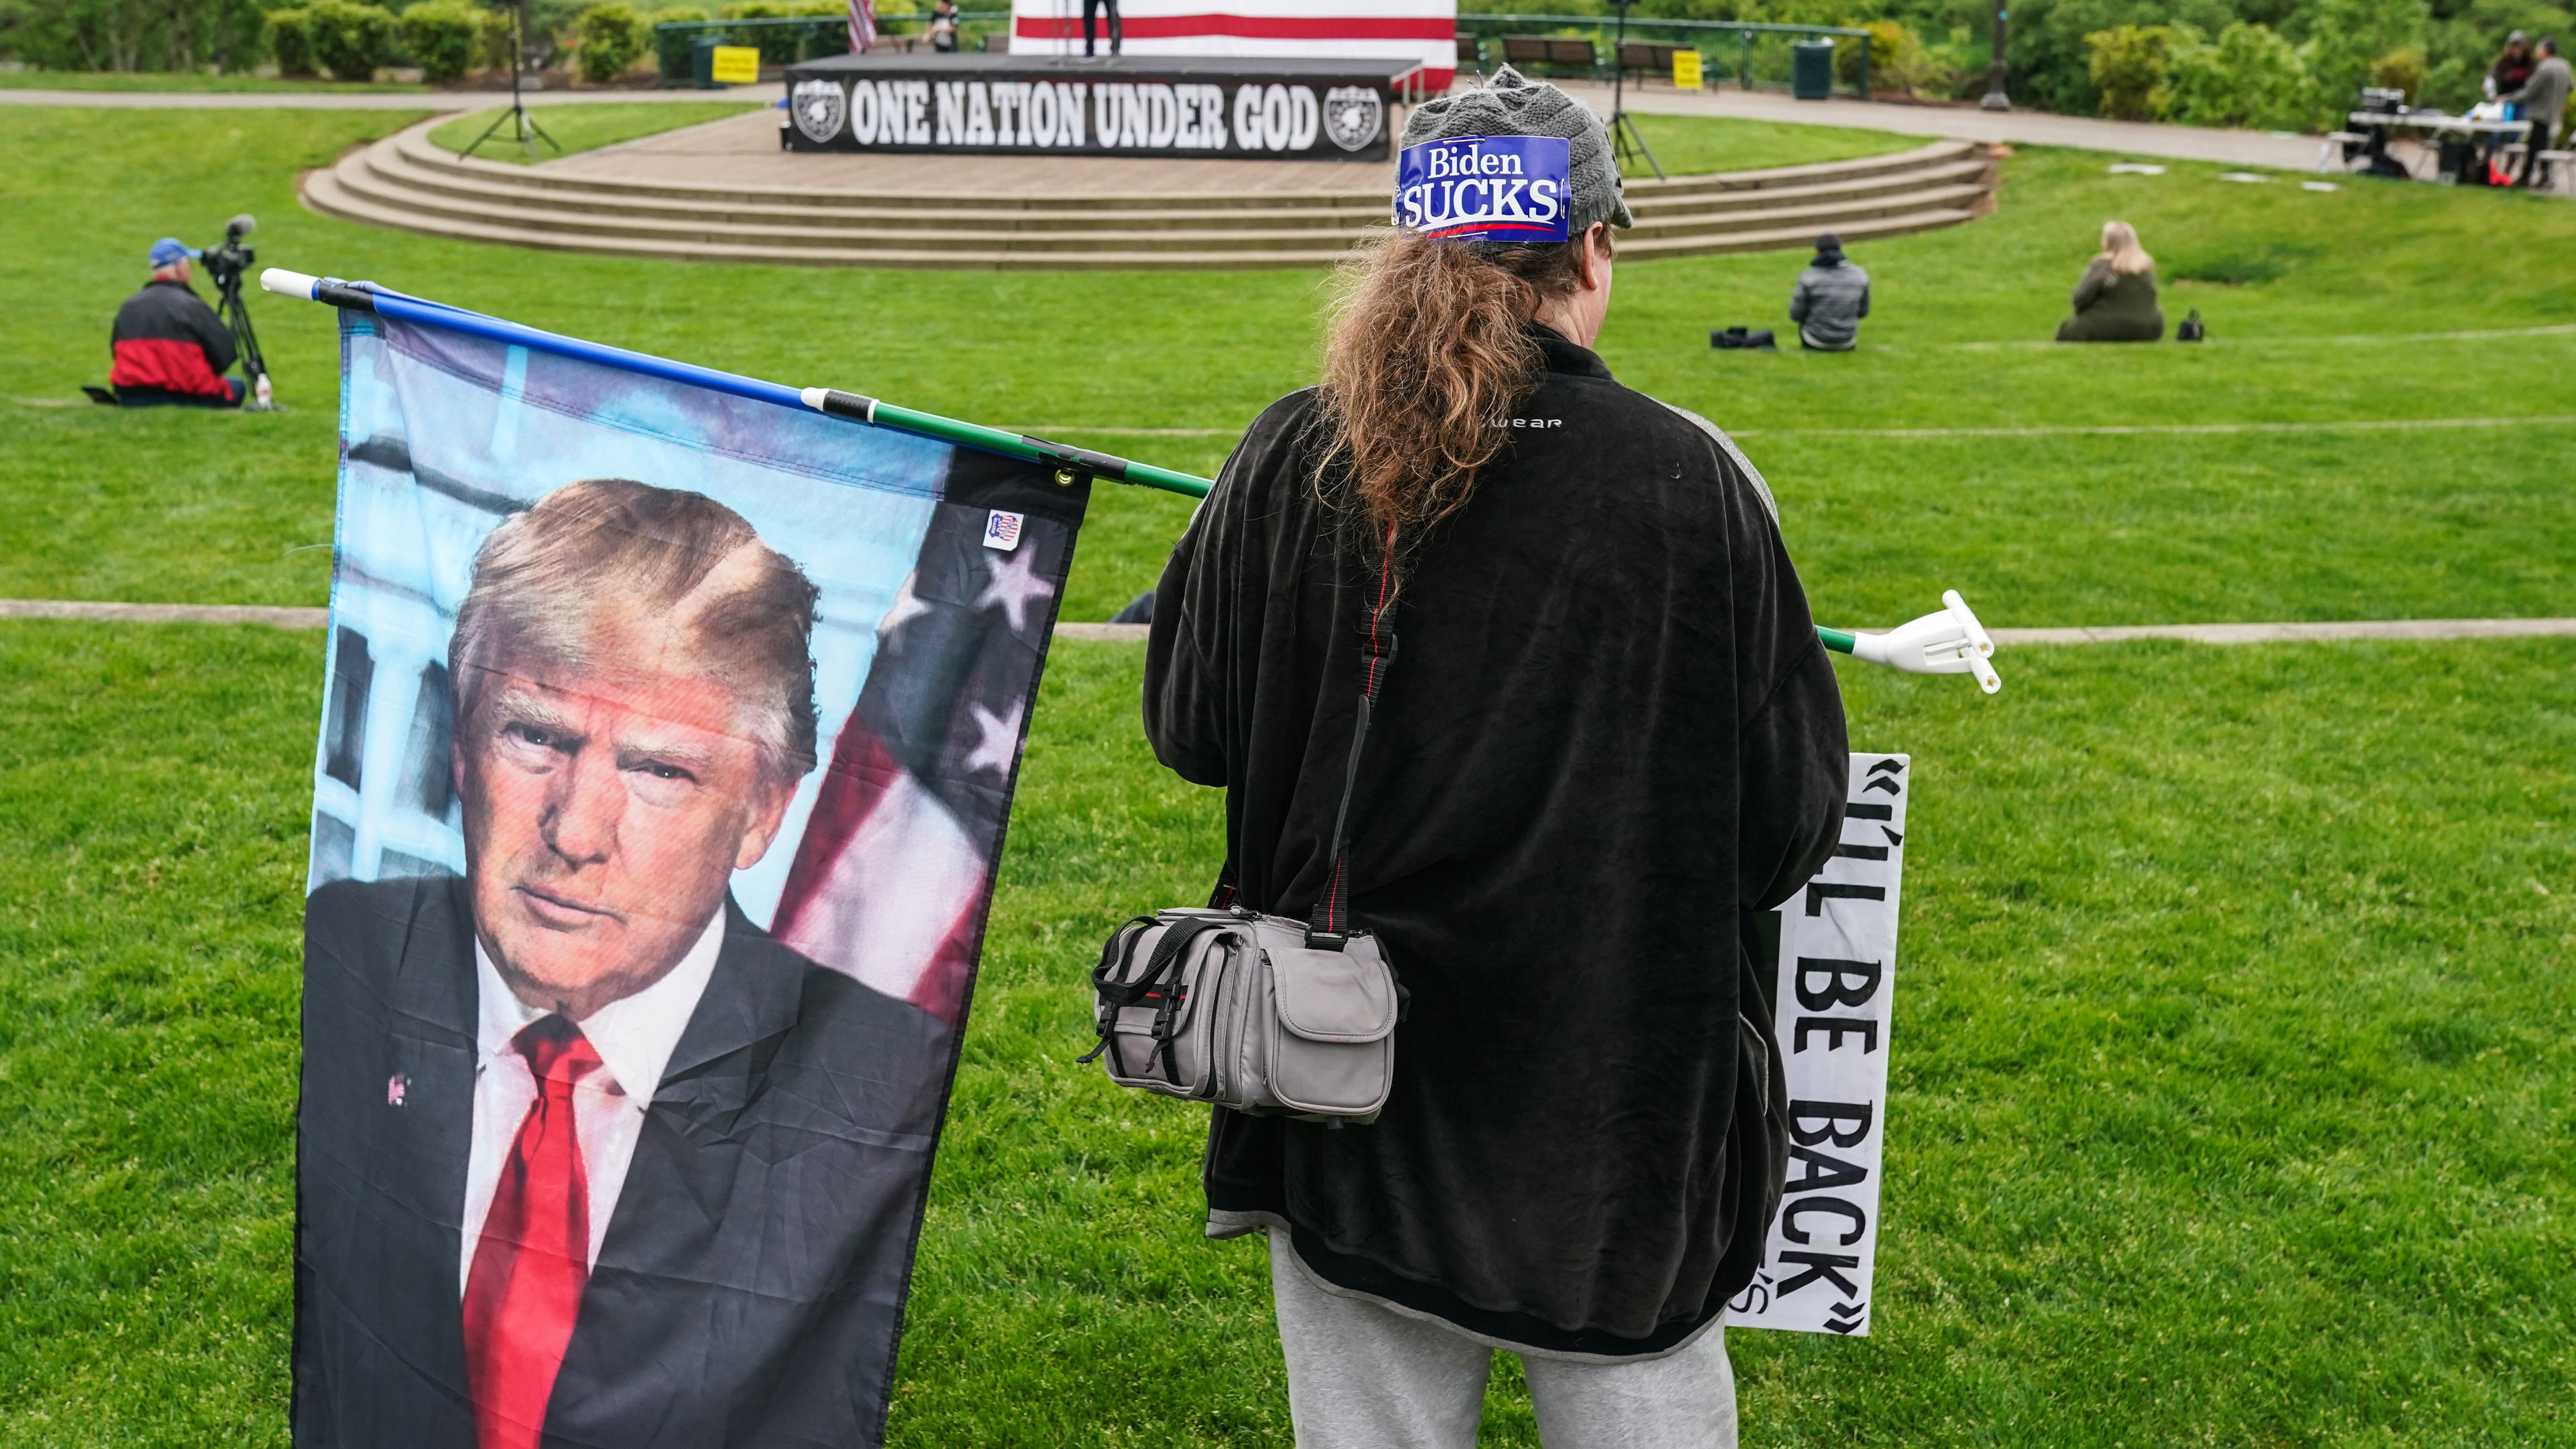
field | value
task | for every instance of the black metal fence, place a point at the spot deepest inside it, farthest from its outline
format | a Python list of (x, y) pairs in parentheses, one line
[(1751, 54), (786, 40)]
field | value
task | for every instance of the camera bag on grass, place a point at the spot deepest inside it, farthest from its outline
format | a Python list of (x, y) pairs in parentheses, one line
[(1264, 1014)]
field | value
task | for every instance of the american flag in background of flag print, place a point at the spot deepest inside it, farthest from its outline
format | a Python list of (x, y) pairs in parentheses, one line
[(863, 25), (891, 878)]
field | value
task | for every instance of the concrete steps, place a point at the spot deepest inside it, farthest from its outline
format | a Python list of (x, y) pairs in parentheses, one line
[(405, 182)]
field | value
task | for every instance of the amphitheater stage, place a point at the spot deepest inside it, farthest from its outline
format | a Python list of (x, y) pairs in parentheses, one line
[(1179, 107), (745, 151), (725, 191)]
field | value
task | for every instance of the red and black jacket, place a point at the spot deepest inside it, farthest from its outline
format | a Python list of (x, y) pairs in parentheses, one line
[(168, 340)]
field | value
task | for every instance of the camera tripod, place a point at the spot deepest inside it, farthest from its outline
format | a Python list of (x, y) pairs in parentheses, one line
[(523, 127), (1624, 141), (224, 267)]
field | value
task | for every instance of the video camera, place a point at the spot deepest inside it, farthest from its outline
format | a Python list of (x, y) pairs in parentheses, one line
[(225, 265)]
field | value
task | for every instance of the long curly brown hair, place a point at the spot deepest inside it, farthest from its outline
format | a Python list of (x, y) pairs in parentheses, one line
[(1429, 347)]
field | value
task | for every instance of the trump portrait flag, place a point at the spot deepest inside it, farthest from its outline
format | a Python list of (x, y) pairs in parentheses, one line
[(668, 741)]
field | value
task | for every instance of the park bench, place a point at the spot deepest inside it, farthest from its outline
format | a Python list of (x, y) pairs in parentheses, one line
[(1641, 57), (1555, 52)]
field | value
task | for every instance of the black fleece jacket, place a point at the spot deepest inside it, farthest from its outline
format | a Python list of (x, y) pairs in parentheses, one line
[(1608, 740)]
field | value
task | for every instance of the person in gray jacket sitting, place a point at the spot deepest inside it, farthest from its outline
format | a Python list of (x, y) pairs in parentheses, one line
[(1832, 297)]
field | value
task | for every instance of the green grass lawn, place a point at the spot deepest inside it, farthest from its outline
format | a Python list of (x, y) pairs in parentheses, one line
[(148, 81), (1688, 145), (583, 128), (2344, 525), (2232, 1083), (2233, 1080)]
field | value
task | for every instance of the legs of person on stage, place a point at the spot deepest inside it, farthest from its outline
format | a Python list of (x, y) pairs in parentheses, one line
[(1091, 8)]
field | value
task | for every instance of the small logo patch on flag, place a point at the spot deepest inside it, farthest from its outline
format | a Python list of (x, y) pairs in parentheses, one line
[(396, 1086), (1002, 530), (1485, 188)]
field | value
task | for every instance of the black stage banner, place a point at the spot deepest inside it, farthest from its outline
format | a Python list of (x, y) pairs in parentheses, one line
[(1003, 105)]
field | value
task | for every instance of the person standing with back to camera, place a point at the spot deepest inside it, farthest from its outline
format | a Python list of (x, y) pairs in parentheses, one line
[(1608, 742)]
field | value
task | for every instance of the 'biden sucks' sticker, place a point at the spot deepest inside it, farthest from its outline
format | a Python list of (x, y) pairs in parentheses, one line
[(1484, 188)]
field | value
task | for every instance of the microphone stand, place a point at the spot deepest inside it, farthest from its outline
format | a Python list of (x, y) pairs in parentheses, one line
[(523, 127)]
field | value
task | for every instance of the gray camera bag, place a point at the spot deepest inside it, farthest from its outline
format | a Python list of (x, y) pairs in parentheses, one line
[(1235, 1008), (1263, 1014)]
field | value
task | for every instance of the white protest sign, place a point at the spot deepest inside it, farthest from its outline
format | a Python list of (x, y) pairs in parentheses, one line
[(1831, 1002)]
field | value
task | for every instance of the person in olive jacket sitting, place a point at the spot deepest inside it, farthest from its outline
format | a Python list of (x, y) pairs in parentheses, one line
[(2116, 301)]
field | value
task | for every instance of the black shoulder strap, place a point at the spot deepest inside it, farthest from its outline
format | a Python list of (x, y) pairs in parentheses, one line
[(1330, 925)]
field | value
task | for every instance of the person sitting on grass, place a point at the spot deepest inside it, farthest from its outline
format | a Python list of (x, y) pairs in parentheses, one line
[(2116, 301), (168, 344), (1831, 298)]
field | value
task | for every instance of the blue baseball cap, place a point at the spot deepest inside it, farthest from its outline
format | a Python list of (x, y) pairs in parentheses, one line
[(168, 250)]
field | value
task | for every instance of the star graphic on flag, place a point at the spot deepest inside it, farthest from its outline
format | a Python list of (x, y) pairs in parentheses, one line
[(1001, 741), (1015, 586), (907, 607)]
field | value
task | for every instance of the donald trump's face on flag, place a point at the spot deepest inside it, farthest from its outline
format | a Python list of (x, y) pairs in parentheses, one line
[(635, 710)]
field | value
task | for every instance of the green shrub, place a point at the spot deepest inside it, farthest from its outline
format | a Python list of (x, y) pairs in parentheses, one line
[(290, 40), (124, 35), (350, 40), (781, 44), (2128, 69), (607, 39), (2401, 69), (2346, 41), (671, 47), (2250, 77), (446, 37), (1892, 46), (492, 44)]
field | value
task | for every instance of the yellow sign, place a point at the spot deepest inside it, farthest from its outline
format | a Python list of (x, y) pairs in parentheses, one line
[(738, 65), (1686, 70)]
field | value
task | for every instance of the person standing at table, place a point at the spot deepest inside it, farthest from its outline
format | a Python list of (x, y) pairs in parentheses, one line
[(2116, 301), (2512, 70), (2543, 99)]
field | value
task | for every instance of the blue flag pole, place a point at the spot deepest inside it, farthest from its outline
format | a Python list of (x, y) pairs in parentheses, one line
[(1063, 457)]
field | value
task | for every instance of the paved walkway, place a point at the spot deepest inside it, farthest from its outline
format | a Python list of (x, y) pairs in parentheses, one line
[(291, 618), (368, 100), (1967, 123)]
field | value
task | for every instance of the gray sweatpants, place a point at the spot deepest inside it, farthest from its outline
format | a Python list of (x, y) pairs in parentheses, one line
[(1364, 1376)]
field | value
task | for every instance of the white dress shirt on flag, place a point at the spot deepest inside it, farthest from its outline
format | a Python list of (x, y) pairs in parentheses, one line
[(634, 1037)]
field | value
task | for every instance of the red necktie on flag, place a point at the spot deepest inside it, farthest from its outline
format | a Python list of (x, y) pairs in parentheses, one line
[(534, 1257), (863, 25)]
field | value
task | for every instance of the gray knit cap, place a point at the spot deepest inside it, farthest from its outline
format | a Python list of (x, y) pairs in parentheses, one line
[(1508, 105)]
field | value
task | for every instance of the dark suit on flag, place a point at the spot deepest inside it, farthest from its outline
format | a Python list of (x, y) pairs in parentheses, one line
[(750, 1286)]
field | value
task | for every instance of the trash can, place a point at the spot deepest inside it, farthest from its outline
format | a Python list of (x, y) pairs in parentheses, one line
[(1811, 69)]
